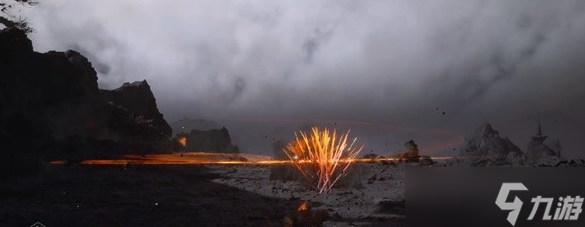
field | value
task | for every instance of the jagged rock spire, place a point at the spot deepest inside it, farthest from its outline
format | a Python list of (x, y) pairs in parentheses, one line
[(537, 149), (539, 136), (486, 141)]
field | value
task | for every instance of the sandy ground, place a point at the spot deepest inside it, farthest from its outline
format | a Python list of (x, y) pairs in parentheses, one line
[(185, 195), (202, 195), (360, 204)]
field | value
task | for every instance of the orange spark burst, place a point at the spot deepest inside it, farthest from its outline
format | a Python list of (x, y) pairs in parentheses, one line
[(322, 157), (183, 141)]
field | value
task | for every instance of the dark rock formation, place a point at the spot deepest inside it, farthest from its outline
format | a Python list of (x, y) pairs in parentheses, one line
[(50, 103), (138, 98), (537, 150), (486, 142), (410, 154), (185, 125), (426, 161), (555, 145), (215, 140)]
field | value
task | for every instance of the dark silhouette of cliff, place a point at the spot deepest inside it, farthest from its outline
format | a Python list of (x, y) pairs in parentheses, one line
[(51, 107), (138, 99)]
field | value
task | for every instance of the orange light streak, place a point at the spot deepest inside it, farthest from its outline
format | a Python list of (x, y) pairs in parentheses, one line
[(158, 159)]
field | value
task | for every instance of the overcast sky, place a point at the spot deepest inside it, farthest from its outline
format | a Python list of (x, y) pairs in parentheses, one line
[(391, 62)]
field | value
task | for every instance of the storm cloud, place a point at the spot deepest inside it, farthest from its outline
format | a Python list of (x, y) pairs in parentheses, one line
[(445, 64)]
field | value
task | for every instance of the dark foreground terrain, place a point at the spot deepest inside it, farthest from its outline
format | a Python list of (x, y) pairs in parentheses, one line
[(136, 196), (142, 195)]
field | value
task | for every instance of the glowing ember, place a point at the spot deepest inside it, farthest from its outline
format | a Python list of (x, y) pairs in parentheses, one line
[(183, 141), (304, 206), (322, 157)]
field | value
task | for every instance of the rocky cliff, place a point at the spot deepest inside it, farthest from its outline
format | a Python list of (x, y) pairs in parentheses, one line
[(51, 107), (138, 98)]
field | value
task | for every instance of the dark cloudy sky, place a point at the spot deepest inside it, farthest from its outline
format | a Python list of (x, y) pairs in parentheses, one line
[(386, 62)]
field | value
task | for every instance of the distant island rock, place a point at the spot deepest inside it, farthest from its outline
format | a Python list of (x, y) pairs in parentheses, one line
[(409, 154), (493, 150), (186, 124), (487, 142), (537, 149), (214, 140)]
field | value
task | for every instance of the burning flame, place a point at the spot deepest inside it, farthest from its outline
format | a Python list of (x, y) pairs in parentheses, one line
[(304, 206), (322, 156), (183, 141)]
